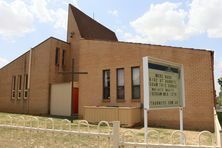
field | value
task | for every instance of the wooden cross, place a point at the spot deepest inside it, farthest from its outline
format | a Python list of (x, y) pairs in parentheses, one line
[(73, 73)]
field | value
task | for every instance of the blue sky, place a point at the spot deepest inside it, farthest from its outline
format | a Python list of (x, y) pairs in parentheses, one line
[(183, 23)]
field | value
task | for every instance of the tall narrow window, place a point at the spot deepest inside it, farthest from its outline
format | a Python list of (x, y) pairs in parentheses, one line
[(13, 87), (106, 84), (120, 83), (19, 86), (63, 57), (26, 86), (135, 82), (57, 56)]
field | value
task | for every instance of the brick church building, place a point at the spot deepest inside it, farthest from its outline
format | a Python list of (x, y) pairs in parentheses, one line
[(114, 74)]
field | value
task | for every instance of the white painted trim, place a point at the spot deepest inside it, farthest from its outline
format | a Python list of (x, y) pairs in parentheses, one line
[(145, 83), (146, 95), (29, 71), (182, 86), (181, 124)]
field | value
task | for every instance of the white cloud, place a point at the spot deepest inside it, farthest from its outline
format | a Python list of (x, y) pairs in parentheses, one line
[(16, 19), (40, 11), (3, 62), (45, 14), (205, 16), (170, 22), (58, 16), (75, 3), (20, 17), (134, 38), (113, 12), (163, 22), (61, 19), (67, 2)]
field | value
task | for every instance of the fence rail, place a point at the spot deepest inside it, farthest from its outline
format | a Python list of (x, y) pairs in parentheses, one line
[(164, 145), (217, 129), (32, 132), (20, 131)]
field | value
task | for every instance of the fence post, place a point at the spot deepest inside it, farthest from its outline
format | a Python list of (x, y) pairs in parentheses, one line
[(220, 142), (116, 134)]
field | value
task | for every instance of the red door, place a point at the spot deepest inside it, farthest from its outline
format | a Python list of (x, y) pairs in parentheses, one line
[(75, 100)]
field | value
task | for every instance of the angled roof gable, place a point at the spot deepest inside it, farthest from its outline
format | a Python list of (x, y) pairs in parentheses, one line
[(91, 29)]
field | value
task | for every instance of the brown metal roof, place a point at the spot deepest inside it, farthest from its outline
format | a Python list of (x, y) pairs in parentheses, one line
[(91, 29)]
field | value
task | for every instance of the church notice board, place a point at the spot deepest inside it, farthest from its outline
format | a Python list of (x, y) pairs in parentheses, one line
[(163, 84)]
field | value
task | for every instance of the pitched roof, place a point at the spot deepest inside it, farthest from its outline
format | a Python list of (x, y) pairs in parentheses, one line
[(91, 29)]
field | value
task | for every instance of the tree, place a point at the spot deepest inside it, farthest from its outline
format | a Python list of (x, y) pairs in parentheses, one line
[(220, 82), (220, 93)]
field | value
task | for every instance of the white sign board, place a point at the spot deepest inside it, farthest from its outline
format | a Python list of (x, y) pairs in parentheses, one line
[(163, 87), (163, 84)]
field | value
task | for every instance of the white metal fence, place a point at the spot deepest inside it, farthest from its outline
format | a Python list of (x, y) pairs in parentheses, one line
[(37, 132), (33, 132), (217, 130), (215, 144)]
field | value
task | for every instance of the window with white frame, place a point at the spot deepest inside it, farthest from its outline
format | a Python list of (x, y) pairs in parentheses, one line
[(120, 84), (106, 84), (135, 71)]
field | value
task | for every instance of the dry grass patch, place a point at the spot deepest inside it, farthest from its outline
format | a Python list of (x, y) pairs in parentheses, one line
[(25, 138)]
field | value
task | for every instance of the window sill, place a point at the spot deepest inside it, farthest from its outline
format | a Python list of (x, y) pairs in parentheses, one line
[(135, 100), (120, 100), (106, 100)]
